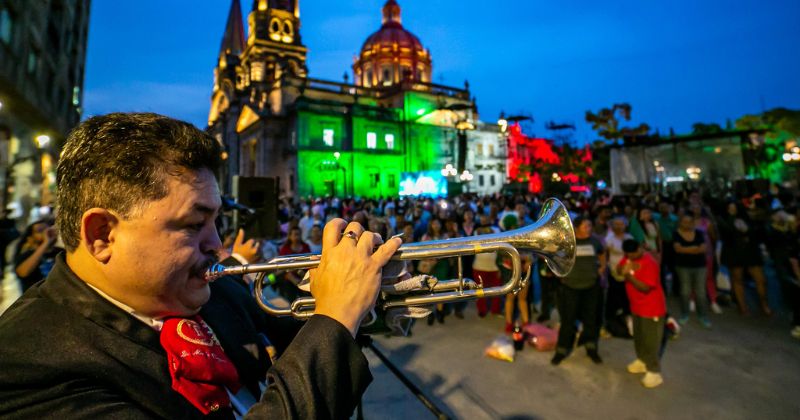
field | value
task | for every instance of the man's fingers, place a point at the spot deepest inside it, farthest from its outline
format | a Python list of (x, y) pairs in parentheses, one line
[(385, 252), (357, 230), (239, 237), (332, 233), (312, 274), (368, 241)]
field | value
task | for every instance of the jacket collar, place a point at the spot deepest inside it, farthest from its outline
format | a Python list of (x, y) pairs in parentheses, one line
[(65, 288)]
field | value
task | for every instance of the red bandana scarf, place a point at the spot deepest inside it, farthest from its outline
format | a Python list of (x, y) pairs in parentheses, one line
[(199, 368)]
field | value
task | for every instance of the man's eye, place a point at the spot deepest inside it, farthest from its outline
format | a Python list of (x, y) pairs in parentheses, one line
[(196, 226)]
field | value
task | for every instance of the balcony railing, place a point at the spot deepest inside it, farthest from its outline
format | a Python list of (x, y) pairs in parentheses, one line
[(378, 92)]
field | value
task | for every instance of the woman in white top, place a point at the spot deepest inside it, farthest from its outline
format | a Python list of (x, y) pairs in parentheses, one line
[(485, 271), (617, 306)]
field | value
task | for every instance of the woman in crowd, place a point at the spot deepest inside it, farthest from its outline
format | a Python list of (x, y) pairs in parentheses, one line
[(315, 238), (485, 271), (468, 224), (617, 308), (520, 300), (35, 253), (452, 230), (690, 267), (438, 267), (741, 251), (294, 245), (646, 232), (783, 250), (705, 224), (667, 223)]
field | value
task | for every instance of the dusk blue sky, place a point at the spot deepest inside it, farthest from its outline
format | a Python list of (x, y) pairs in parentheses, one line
[(676, 62)]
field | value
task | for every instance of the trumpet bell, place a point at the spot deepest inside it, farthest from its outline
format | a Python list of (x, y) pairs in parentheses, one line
[(551, 236)]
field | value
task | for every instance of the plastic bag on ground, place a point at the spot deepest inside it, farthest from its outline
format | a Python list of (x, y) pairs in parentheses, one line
[(501, 348)]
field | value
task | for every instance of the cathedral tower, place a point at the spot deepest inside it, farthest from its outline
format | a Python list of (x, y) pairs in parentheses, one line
[(228, 73), (274, 46)]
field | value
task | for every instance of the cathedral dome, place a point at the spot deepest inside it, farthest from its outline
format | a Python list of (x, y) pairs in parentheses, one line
[(392, 54)]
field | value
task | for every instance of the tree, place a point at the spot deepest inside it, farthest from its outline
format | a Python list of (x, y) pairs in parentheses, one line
[(607, 123), (782, 130), (702, 128)]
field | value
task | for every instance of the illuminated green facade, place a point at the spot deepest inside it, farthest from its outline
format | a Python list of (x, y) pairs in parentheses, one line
[(365, 150)]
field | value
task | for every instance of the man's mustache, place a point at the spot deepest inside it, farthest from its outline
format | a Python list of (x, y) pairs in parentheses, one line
[(200, 269)]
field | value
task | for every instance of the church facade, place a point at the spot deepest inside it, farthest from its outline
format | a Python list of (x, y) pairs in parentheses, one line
[(322, 137)]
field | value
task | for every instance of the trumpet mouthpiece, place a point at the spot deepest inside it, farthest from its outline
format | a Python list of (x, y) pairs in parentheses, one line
[(214, 272)]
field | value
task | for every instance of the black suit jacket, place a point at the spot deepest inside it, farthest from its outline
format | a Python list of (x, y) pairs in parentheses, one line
[(67, 352)]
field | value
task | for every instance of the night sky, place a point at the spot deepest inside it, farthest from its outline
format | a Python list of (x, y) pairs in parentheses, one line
[(676, 62)]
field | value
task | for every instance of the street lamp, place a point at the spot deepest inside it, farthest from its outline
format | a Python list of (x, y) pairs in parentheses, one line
[(453, 176), (449, 171), (693, 172), (462, 125), (466, 177), (5, 162), (503, 121), (42, 141), (46, 163), (794, 156)]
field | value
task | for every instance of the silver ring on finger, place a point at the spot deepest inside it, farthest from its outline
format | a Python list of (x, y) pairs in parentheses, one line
[(352, 235)]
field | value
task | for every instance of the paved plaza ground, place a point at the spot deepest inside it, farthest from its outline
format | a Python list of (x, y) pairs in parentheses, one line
[(743, 368)]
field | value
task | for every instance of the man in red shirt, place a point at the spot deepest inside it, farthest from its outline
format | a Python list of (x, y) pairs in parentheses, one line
[(648, 305)]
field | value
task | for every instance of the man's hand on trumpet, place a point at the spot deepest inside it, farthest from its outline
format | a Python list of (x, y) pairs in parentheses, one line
[(347, 281)]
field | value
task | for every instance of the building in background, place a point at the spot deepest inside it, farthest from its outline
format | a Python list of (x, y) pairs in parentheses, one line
[(487, 158), (42, 65), (324, 137)]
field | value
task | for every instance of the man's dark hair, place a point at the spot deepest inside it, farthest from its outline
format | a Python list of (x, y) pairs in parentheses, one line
[(630, 245), (120, 162)]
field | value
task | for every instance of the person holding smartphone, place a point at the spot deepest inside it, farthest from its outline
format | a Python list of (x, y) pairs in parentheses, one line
[(36, 253)]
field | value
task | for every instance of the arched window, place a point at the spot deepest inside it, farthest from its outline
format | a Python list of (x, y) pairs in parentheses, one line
[(406, 73), (386, 75)]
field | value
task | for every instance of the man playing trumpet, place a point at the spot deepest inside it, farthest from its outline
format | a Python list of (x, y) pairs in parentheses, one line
[(126, 324)]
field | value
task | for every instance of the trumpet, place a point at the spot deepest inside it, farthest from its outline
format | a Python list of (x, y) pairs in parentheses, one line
[(551, 237)]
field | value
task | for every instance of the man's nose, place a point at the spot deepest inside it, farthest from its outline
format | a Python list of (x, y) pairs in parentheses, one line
[(211, 242)]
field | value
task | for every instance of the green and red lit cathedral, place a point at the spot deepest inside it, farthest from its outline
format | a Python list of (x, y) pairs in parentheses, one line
[(364, 138)]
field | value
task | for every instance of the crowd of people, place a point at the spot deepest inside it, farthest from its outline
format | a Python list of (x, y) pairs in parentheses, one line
[(700, 249)]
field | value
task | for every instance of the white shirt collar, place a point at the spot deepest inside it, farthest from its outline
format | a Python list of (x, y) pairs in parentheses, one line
[(153, 323)]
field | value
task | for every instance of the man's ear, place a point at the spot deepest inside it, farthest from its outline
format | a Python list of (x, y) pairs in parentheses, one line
[(97, 228)]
